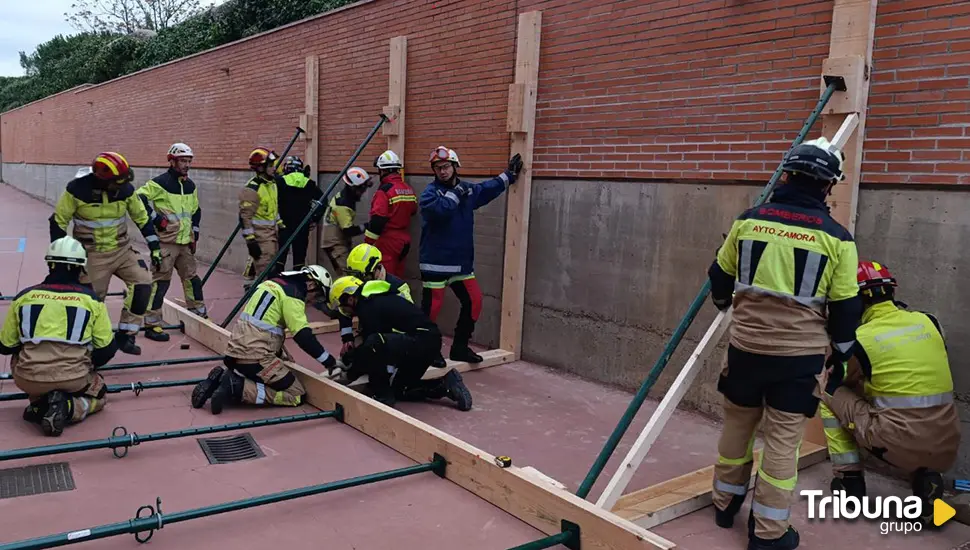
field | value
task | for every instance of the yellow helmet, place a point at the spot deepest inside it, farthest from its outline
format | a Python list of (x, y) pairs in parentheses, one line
[(67, 250), (347, 285), (363, 259)]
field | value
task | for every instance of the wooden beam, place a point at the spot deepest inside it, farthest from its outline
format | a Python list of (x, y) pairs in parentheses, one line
[(534, 501), (521, 124), (311, 120), (688, 493), (396, 93)]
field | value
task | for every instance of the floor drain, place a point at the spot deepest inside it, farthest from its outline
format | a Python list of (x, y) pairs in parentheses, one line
[(222, 450), (36, 480)]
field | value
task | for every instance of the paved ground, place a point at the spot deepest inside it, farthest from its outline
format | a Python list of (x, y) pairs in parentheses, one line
[(538, 416)]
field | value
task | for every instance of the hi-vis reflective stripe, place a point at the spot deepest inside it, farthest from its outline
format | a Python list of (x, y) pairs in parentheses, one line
[(841, 444), (261, 324), (248, 232), (403, 198), (177, 217), (768, 512), (831, 423), (346, 330), (266, 222), (98, 223), (730, 488), (740, 287), (260, 393), (323, 357), (265, 301), (440, 268), (913, 402)]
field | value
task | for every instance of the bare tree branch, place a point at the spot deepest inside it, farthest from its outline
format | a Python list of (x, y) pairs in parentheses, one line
[(128, 16)]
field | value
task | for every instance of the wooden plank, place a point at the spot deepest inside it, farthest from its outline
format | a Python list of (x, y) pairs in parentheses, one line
[(519, 194), (534, 501), (673, 396), (396, 94), (688, 493), (311, 112)]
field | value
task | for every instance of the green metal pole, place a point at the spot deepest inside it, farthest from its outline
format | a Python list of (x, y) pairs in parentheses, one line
[(157, 519), (121, 438), (316, 204), (225, 247), (568, 538), (140, 364), (136, 387), (685, 323)]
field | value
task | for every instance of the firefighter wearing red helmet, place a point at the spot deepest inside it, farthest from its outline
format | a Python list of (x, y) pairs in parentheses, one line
[(788, 269), (259, 213), (99, 201), (894, 396)]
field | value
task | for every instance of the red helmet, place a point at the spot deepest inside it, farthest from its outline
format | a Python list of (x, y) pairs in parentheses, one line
[(261, 156), (109, 166), (872, 275)]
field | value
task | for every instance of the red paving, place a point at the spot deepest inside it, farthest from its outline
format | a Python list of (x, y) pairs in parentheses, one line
[(540, 417)]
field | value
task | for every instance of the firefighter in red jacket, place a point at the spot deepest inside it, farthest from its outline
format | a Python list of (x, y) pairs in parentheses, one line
[(391, 209)]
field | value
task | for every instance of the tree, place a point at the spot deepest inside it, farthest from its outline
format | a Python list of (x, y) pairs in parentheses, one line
[(128, 16)]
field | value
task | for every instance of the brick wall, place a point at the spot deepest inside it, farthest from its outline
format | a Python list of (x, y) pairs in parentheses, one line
[(669, 89)]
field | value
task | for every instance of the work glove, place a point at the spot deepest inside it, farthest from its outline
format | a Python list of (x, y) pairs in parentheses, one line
[(462, 190), (836, 375), (157, 259), (515, 166), (346, 349), (306, 170), (722, 304), (347, 354), (254, 250), (161, 222), (192, 248)]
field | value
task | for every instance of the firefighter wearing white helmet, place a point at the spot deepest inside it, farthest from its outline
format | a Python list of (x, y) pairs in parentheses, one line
[(340, 219), (257, 369), (391, 209), (172, 202), (67, 336)]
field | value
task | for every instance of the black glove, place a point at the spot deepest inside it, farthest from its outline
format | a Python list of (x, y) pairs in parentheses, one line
[(306, 170), (254, 250), (722, 305), (515, 165), (462, 190), (836, 377), (347, 357)]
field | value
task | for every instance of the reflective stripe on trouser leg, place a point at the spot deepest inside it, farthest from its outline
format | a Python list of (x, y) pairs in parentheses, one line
[(258, 393), (732, 473), (843, 450), (777, 473), (84, 407)]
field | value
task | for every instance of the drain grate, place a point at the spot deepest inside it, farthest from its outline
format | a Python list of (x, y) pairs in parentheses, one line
[(222, 450), (36, 480)]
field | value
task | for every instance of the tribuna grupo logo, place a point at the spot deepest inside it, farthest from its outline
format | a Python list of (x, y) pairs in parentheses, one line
[(895, 514)]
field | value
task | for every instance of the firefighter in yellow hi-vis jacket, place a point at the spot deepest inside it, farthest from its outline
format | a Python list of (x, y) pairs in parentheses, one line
[(258, 367), (99, 203), (894, 396), (58, 332), (259, 214), (791, 269), (339, 221), (172, 202)]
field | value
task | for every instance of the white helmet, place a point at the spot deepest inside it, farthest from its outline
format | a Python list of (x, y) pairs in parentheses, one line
[(179, 150), (355, 177), (443, 153), (83, 172), (67, 250), (316, 273), (388, 161)]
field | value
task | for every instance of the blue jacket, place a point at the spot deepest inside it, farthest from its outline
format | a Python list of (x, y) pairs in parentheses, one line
[(448, 224)]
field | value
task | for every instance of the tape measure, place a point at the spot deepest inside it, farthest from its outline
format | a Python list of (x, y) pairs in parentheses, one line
[(503, 461)]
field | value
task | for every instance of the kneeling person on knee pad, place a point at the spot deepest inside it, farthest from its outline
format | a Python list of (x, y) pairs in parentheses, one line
[(395, 332), (255, 372), (894, 396), (66, 336)]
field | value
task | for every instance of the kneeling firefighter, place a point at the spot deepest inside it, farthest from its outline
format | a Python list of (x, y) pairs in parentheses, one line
[(366, 262), (894, 396), (395, 332), (58, 332), (255, 371)]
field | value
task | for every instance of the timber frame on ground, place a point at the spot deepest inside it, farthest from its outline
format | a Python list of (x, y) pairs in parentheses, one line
[(615, 521)]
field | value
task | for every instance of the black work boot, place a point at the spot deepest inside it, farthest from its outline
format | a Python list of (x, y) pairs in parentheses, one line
[(439, 362), (788, 541), (204, 389), (59, 411), (229, 391), (457, 391), (157, 334), (725, 518), (36, 411), (464, 353), (853, 483), (928, 486), (126, 343)]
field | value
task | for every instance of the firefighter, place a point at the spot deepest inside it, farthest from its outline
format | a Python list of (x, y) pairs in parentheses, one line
[(99, 201), (791, 269), (297, 191), (391, 209), (395, 332), (67, 334), (259, 214), (256, 371), (447, 249), (894, 396), (172, 202), (339, 221)]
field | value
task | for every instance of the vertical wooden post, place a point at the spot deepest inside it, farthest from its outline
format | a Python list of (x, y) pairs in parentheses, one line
[(521, 125), (309, 122), (850, 56), (396, 93)]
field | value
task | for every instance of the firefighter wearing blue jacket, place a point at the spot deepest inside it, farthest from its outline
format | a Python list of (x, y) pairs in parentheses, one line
[(447, 250)]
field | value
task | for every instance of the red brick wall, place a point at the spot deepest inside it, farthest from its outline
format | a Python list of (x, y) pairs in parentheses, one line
[(669, 89)]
